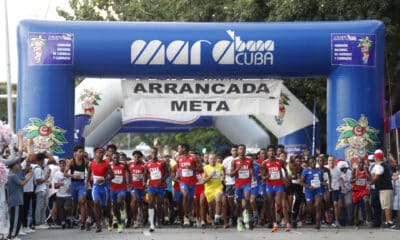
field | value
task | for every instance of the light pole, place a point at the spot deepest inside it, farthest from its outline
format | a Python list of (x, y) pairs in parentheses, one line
[(9, 97)]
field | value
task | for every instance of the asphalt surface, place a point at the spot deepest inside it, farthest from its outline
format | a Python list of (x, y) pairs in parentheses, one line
[(306, 233)]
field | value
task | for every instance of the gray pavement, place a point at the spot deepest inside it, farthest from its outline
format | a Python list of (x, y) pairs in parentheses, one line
[(219, 234)]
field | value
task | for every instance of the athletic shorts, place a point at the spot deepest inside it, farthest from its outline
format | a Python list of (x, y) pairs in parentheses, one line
[(188, 188), (229, 190), (258, 190), (177, 196), (212, 193), (100, 193), (274, 189), (78, 189), (337, 195), (198, 191), (241, 191), (159, 192), (358, 195), (310, 194), (64, 202), (114, 195), (139, 193)]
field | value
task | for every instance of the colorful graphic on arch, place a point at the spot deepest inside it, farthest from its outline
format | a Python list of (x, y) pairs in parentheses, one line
[(45, 135), (357, 137), (283, 101), (89, 98), (51, 48), (353, 49)]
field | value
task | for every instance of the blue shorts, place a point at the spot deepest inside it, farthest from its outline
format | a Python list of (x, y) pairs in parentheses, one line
[(324, 189), (100, 193), (159, 192), (258, 190), (274, 189), (114, 195), (177, 196), (139, 193), (78, 189), (188, 188), (310, 194), (240, 191)]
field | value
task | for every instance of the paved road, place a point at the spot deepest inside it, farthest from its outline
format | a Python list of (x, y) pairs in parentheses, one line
[(219, 234)]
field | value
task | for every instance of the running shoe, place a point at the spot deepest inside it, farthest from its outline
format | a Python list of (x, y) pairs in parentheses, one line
[(288, 227), (151, 229), (240, 226), (274, 228), (110, 228), (120, 228), (186, 222), (246, 216)]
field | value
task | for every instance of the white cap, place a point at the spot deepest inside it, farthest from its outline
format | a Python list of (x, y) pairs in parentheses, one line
[(342, 164)]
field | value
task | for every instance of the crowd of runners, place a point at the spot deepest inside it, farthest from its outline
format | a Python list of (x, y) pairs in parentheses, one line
[(268, 189)]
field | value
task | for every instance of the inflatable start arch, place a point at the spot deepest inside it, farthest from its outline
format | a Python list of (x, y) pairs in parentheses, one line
[(350, 54)]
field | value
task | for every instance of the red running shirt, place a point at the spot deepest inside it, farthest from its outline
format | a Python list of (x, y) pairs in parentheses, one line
[(361, 183), (137, 173), (187, 172), (99, 170), (243, 176), (119, 181), (156, 173), (274, 170)]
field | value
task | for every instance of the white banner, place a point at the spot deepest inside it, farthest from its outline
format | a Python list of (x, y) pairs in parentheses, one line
[(201, 97), (293, 115)]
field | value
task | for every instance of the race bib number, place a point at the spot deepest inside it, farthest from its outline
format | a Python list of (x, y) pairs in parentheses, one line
[(274, 175), (361, 182), (187, 173), (80, 174), (316, 183), (118, 179), (98, 178), (244, 173), (217, 174), (137, 177), (295, 181), (155, 175)]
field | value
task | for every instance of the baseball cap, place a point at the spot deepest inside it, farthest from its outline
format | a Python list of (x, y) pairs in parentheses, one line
[(378, 154)]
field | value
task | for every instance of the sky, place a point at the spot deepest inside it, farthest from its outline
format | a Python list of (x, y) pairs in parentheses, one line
[(19, 10)]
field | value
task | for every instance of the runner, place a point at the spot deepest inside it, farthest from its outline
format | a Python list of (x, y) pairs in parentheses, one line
[(326, 196), (213, 188), (118, 188), (273, 172), (199, 201), (186, 176), (228, 199), (100, 172), (136, 168), (312, 181), (76, 170), (243, 170), (359, 179), (157, 172)]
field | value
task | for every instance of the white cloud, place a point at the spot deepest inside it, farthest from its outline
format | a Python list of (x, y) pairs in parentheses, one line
[(19, 10)]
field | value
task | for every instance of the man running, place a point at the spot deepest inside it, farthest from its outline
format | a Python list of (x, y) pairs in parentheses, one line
[(157, 172), (359, 179), (76, 170), (242, 169), (186, 176), (99, 172), (118, 189), (136, 169), (273, 172)]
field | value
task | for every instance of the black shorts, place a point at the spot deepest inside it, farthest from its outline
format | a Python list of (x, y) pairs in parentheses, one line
[(229, 190), (64, 202)]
